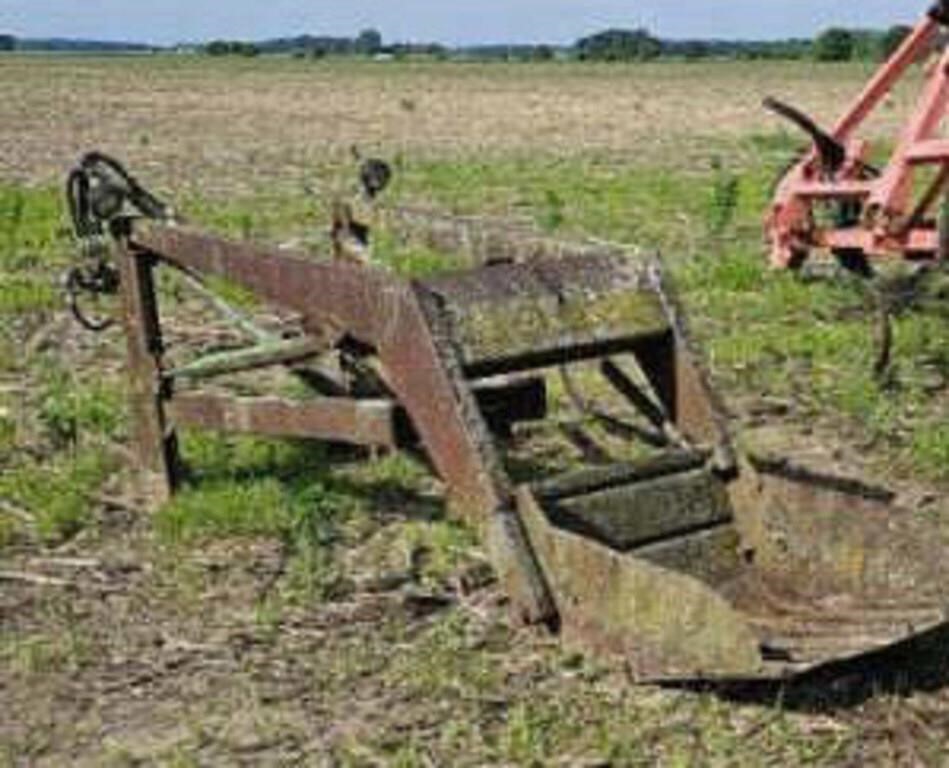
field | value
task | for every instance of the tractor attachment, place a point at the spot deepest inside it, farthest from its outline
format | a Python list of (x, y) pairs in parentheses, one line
[(835, 199), (553, 389)]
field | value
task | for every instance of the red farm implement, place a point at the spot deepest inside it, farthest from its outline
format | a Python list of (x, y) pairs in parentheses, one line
[(835, 199)]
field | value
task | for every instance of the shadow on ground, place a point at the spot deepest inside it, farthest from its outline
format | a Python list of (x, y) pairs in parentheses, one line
[(918, 665)]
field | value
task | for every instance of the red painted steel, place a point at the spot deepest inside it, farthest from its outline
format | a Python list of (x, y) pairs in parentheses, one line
[(889, 213)]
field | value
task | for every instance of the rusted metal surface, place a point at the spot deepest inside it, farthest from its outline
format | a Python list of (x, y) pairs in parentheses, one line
[(402, 324), (637, 515), (375, 310), (512, 554), (692, 561), (831, 570), (836, 535), (681, 378), (155, 443), (371, 423), (800, 633), (548, 311), (663, 623)]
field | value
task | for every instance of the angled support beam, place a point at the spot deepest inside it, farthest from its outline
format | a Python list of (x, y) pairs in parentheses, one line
[(156, 445)]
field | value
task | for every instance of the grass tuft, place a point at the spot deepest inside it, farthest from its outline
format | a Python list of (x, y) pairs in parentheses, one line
[(930, 449), (21, 294), (57, 494), (247, 488), (69, 411)]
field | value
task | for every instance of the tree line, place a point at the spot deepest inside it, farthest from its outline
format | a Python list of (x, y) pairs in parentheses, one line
[(366, 43), (835, 44), (10, 42), (838, 44)]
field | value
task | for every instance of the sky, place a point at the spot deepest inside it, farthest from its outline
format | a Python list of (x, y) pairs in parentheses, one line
[(445, 21)]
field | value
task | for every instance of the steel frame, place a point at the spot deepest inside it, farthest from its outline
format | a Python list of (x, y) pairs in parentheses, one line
[(439, 398), (601, 553), (896, 206), (373, 309)]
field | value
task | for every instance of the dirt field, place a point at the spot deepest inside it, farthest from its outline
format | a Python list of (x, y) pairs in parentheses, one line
[(304, 606), (224, 123)]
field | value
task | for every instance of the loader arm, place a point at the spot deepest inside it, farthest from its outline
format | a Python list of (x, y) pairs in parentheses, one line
[(684, 557)]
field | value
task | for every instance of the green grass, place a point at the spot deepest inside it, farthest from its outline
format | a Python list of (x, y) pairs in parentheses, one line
[(8, 432), (411, 260), (813, 343), (71, 410), (56, 494), (32, 233), (21, 294), (567, 711), (248, 487), (37, 655), (74, 421), (32, 247), (930, 449)]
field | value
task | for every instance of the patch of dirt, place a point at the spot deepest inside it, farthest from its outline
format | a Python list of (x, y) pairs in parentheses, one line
[(200, 122)]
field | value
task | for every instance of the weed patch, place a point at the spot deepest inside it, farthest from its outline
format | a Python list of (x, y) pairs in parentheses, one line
[(70, 411), (36, 655), (22, 294), (250, 488), (57, 494), (930, 449)]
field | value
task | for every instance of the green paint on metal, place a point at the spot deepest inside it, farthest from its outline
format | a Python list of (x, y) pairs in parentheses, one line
[(261, 356)]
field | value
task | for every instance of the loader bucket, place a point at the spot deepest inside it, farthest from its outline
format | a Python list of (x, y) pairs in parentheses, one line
[(693, 560), (675, 575), (555, 391)]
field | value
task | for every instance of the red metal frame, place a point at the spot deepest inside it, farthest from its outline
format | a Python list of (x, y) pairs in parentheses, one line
[(897, 206)]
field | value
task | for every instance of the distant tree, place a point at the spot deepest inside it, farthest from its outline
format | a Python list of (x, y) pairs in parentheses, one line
[(217, 48), (231, 48), (695, 49), (369, 42), (618, 45), (7, 43), (835, 44), (892, 39), (866, 45), (542, 53)]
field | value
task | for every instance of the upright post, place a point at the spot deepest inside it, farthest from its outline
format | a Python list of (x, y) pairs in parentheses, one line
[(156, 446)]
